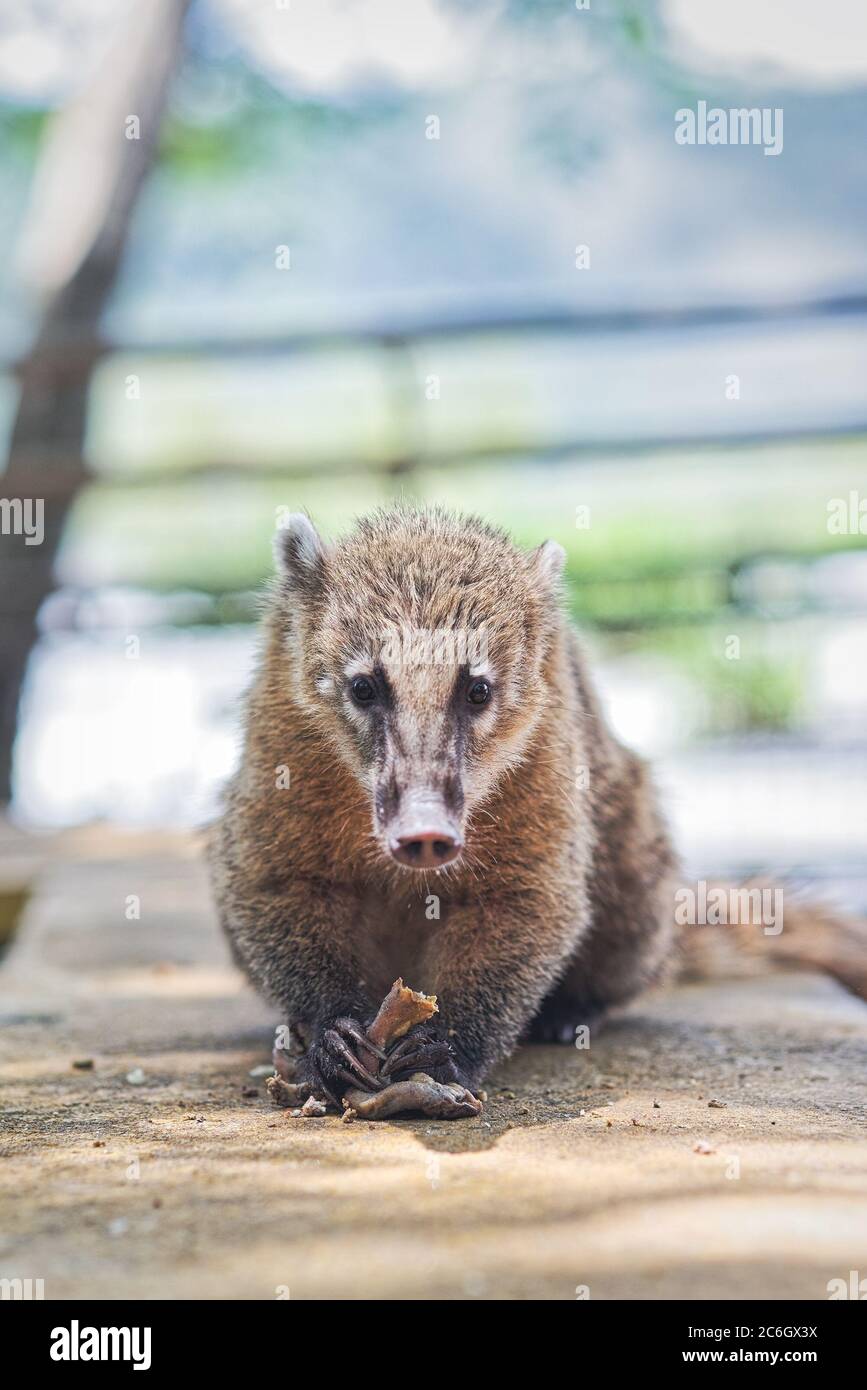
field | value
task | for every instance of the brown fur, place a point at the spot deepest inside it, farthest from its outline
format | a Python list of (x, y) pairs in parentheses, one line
[(560, 905)]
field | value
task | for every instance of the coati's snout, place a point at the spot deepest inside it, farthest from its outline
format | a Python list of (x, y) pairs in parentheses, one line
[(425, 850), (423, 645), (411, 734), (423, 835)]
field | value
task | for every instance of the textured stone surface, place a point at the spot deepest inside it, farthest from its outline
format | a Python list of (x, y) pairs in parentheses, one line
[(582, 1170)]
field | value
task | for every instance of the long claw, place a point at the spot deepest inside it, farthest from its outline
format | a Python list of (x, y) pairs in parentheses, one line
[(327, 1092), (349, 1029), (414, 1060), (401, 1049), (336, 1044), (419, 1052), (351, 1081)]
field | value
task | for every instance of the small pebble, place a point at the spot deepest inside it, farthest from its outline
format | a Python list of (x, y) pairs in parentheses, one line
[(313, 1106), (716, 1105), (83, 1064), (136, 1077)]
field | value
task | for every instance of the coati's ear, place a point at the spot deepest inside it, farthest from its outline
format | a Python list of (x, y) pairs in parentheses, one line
[(299, 553), (548, 560)]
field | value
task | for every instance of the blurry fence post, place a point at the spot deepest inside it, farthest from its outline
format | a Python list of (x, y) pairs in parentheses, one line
[(91, 169), (403, 389)]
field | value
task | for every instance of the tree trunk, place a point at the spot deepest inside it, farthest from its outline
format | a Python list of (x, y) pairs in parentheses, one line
[(90, 172)]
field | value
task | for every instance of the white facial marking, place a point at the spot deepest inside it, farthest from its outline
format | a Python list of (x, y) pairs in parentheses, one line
[(360, 665)]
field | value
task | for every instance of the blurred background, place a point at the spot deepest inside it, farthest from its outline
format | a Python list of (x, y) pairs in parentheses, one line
[(264, 256)]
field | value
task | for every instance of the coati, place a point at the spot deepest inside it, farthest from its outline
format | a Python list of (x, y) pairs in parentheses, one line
[(458, 812)]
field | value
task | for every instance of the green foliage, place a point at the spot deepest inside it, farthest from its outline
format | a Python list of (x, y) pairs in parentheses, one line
[(21, 129), (758, 693)]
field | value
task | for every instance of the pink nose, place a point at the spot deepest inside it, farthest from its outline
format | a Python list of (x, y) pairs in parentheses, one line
[(426, 849)]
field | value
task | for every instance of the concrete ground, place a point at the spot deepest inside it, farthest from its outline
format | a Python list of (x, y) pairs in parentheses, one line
[(710, 1144)]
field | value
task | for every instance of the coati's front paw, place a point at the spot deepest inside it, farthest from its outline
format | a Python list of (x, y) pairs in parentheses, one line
[(424, 1048), (341, 1056)]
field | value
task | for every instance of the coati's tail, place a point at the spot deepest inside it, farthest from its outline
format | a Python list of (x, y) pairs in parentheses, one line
[(754, 927)]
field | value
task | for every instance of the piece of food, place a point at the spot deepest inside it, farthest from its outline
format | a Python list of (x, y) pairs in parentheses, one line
[(401, 1010), (420, 1093), (285, 1093)]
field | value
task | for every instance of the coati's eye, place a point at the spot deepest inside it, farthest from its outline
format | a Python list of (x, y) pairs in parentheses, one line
[(479, 692), (363, 690)]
